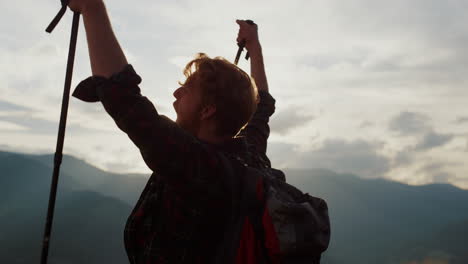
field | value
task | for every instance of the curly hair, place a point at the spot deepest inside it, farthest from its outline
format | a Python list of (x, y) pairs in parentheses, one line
[(229, 88)]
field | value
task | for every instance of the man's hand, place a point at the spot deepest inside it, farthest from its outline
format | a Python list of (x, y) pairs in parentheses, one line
[(82, 6), (249, 34), (105, 54)]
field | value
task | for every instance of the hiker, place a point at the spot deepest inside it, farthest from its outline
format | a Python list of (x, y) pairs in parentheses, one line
[(181, 214)]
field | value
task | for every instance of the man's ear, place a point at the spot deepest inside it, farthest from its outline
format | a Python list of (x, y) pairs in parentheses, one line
[(207, 112)]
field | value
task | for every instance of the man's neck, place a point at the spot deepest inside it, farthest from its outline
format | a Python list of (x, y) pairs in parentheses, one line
[(209, 136), (213, 140)]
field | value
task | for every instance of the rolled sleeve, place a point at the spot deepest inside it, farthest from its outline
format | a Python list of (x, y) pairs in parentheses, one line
[(89, 89), (164, 146), (257, 130)]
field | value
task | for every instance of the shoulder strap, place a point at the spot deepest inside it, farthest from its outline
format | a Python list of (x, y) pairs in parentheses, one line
[(226, 253), (242, 182), (256, 212)]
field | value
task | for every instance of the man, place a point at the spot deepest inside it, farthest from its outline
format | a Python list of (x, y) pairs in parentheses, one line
[(182, 211)]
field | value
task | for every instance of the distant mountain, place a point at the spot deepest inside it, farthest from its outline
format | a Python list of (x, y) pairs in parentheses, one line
[(21, 174), (88, 177), (373, 221), (446, 245), (379, 221), (88, 226)]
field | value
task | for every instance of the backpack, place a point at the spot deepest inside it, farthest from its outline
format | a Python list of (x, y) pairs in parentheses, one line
[(271, 221)]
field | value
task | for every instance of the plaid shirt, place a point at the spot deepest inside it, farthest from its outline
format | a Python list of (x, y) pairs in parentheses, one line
[(182, 210)]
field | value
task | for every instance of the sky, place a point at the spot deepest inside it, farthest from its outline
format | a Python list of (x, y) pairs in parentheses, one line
[(373, 88)]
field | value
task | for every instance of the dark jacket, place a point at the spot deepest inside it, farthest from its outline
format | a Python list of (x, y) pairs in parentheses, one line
[(180, 215)]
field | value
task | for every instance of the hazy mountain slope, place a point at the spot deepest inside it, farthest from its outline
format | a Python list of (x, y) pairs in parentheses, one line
[(88, 227), (446, 245), (119, 186), (20, 173), (375, 217), (373, 221)]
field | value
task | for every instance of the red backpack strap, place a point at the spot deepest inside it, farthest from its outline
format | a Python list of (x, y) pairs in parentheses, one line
[(232, 229), (246, 207), (255, 212)]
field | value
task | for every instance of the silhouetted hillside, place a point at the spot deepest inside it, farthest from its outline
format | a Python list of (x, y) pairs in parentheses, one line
[(377, 220), (88, 227), (373, 221), (119, 186)]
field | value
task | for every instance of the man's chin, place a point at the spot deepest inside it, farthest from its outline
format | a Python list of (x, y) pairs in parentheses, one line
[(186, 127), (180, 123)]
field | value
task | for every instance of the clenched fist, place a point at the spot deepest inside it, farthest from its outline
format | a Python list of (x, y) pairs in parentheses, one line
[(248, 33), (82, 6)]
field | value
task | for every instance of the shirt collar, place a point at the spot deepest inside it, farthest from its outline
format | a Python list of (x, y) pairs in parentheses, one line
[(233, 145)]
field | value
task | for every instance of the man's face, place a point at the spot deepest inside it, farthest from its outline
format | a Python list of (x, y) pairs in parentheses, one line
[(188, 105)]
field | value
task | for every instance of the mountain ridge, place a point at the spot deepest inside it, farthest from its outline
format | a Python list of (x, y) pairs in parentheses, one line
[(373, 220)]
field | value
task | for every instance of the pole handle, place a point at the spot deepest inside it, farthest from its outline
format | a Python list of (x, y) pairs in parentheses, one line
[(242, 45), (61, 131), (58, 17)]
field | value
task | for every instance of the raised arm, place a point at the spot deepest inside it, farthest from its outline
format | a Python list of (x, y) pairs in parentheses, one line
[(105, 54), (176, 155), (257, 131), (249, 34)]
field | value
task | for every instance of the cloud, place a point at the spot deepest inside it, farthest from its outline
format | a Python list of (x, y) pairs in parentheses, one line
[(29, 124), (24, 149), (327, 60), (432, 140), (419, 126), (359, 55), (435, 173), (289, 119), (282, 155), (121, 160), (439, 24), (461, 120), (365, 124), (403, 157), (8, 126), (358, 157), (410, 123), (427, 141), (442, 177), (33, 124), (11, 107), (120, 166)]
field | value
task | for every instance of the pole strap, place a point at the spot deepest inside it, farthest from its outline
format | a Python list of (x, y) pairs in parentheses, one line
[(58, 17), (242, 45), (62, 125)]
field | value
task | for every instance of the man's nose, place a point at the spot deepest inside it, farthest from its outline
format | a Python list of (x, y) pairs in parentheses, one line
[(178, 92)]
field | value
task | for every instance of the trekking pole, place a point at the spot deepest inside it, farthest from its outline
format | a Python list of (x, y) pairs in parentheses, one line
[(242, 45), (63, 121)]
